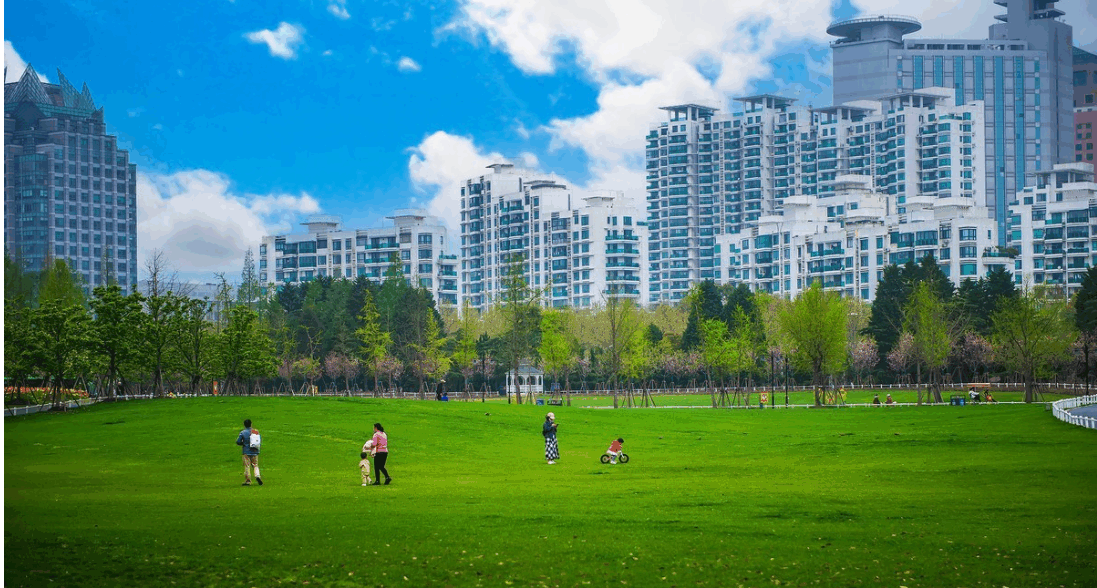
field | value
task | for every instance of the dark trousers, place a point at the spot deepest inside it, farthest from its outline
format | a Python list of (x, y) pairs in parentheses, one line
[(379, 460)]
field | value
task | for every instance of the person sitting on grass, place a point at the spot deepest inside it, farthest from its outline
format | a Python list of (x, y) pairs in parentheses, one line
[(988, 397), (364, 464), (876, 399), (615, 450), (888, 400), (973, 395)]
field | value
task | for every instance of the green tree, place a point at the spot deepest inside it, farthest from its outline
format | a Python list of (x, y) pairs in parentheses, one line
[(704, 302), (716, 350), (926, 319), (1029, 334), (1085, 318), (557, 348), (815, 324), (520, 305), (243, 351), (249, 291), (20, 341), (623, 323), (429, 361), (115, 332), (374, 340), (192, 341)]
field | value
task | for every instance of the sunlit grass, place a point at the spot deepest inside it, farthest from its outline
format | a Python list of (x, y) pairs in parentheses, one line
[(148, 493)]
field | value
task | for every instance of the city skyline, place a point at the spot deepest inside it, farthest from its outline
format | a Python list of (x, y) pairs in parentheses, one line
[(575, 99)]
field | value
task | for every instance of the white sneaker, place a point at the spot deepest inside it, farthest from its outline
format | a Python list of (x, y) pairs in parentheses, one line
[(613, 463), (365, 484), (551, 462)]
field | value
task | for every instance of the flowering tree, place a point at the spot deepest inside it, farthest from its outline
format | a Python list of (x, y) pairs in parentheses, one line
[(901, 356), (389, 368), (863, 356), (307, 368), (973, 352)]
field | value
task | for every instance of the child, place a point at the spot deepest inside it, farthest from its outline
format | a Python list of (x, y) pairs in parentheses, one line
[(615, 450), (364, 464)]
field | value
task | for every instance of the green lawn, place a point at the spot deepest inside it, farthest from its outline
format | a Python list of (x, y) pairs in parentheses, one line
[(148, 494)]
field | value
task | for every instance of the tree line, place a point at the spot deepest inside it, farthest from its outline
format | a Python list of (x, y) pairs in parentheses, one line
[(350, 335)]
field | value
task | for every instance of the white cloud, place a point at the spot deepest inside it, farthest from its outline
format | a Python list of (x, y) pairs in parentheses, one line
[(339, 9), (196, 218), (282, 42), (438, 166), (408, 65), (14, 65)]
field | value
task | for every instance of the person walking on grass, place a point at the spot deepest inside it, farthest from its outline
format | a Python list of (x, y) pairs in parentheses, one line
[(249, 440), (552, 451), (380, 452)]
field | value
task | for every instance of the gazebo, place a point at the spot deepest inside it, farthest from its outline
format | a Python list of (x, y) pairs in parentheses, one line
[(527, 379)]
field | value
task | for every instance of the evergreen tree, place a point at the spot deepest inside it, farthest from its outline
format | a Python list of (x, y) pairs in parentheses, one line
[(704, 303), (1085, 318)]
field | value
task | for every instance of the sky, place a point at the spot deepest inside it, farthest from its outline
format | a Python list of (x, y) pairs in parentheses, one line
[(245, 117)]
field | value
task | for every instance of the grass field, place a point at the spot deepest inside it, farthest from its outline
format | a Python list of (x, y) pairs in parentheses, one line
[(148, 494)]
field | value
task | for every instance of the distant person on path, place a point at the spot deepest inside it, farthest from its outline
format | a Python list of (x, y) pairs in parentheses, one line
[(251, 454), (380, 452), (364, 464), (614, 450), (876, 399), (552, 451)]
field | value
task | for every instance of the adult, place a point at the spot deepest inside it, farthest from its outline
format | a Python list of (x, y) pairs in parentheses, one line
[(251, 454), (552, 451), (380, 453)]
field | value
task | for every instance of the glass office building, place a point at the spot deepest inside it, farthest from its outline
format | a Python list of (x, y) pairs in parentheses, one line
[(69, 192), (1022, 73)]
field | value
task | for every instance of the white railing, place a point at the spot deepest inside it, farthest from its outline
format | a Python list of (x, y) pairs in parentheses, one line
[(1060, 409)]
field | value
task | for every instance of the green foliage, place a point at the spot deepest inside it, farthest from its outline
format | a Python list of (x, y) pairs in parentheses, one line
[(192, 341), (1030, 334), (115, 331), (557, 350), (815, 324), (704, 302), (63, 329), (243, 351), (522, 309), (893, 293), (926, 319)]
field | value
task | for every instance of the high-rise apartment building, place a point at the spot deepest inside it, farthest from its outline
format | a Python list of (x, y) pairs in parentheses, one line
[(1021, 73), (713, 174), (576, 250), (69, 192), (846, 240), (416, 240), (1053, 228)]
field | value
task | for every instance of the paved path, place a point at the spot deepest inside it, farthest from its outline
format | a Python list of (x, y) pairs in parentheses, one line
[(1086, 411)]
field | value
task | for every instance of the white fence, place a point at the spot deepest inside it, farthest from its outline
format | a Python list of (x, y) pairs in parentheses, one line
[(1059, 409)]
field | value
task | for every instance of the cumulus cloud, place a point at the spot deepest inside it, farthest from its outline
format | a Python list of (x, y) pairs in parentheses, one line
[(339, 9), (14, 65), (641, 57), (202, 225), (408, 65), (282, 42), (440, 164)]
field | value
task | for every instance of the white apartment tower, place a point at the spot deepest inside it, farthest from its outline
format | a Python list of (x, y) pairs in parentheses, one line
[(417, 240), (575, 249), (712, 174), (1053, 228), (846, 240)]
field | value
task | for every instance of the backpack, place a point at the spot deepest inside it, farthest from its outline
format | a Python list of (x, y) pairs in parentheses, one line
[(254, 440)]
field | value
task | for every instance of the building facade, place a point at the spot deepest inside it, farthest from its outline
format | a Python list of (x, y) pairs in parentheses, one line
[(845, 241), (1085, 78), (1022, 73), (1084, 119), (69, 192), (415, 241), (1053, 228), (575, 249), (711, 174)]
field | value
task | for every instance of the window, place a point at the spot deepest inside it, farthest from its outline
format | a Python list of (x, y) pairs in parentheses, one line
[(967, 269), (967, 234)]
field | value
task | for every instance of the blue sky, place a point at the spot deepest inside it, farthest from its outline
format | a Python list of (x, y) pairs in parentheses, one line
[(245, 116)]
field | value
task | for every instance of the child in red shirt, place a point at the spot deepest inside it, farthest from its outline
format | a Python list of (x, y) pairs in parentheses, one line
[(615, 450)]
